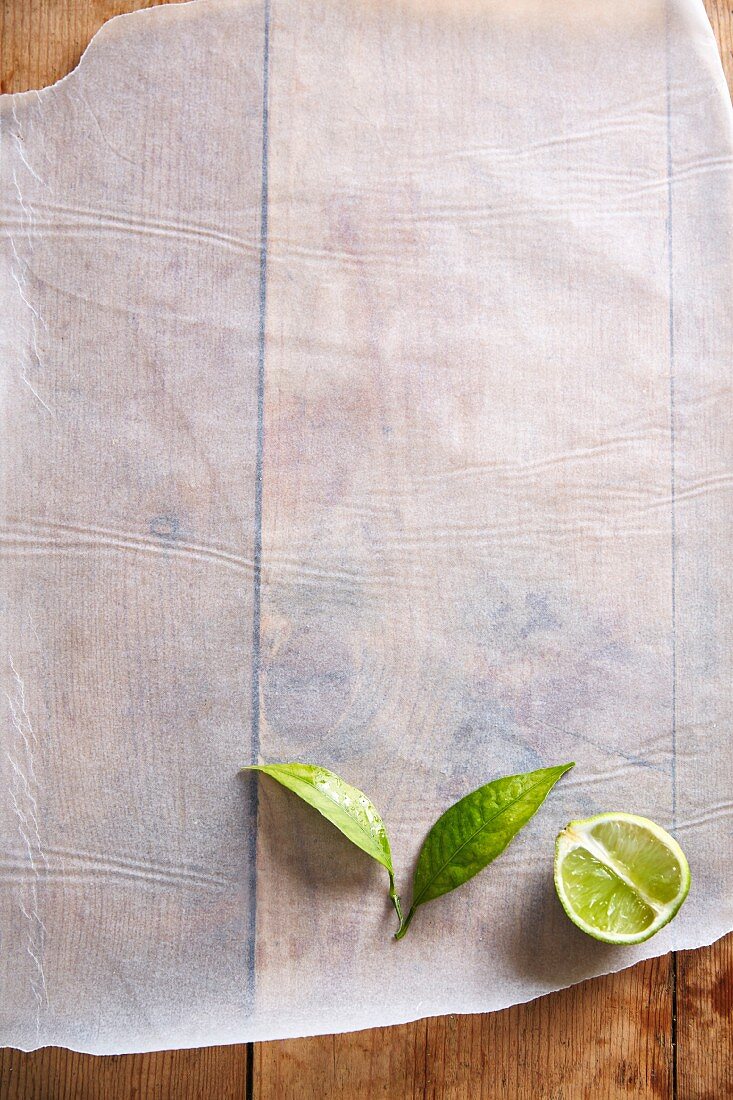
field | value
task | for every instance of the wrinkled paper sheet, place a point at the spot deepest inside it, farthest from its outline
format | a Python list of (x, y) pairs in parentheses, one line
[(366, 372)]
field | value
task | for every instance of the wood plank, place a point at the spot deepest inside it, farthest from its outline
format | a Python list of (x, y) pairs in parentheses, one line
[(704, 1022), (596, 1039), (606, 1039), (40, 41), (380, 1062), (720, 14), (57, 1074), (704, 978), (372, 635), (609, 1038)]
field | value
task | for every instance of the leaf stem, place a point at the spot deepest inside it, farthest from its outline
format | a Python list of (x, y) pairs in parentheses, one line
[(395, 897), (404, 924)]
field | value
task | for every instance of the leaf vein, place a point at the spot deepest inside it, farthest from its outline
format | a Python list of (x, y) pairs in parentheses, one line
[(417, 900)]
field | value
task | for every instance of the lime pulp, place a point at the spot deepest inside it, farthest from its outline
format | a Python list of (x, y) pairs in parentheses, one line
[(620, 877)]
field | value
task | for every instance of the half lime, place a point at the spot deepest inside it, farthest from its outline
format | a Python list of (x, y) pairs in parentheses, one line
[(620, 877)]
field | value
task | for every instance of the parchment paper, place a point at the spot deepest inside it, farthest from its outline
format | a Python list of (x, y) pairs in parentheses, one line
[(366, 400)]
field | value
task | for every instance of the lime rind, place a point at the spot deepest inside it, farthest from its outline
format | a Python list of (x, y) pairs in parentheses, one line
[(578, 835)]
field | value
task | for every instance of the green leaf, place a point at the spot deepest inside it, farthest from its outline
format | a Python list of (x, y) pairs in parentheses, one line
[(476, 830), (344, 806)]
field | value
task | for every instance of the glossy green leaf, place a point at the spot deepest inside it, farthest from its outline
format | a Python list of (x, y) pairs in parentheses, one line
[(344, 806), (476, 830)]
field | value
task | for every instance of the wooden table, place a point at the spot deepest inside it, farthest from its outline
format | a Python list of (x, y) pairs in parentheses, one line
[(663, 1028)]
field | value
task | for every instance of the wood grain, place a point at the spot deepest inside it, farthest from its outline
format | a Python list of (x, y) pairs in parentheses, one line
[(56, 1074), (720, 14), (605, 1039), (705, 1022), (42, 40), (612, 1037)]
